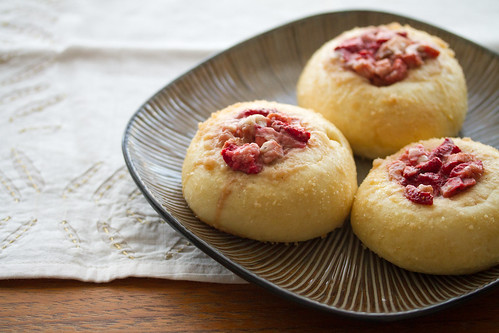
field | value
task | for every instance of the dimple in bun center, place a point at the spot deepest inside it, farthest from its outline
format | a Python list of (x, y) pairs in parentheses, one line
[(445, 171), (258, 137), (383, 56)]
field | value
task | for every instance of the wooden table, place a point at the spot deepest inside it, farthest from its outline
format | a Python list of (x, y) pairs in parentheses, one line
[(135, 304)]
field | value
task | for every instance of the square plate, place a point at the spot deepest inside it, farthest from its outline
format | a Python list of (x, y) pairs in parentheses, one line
[(335, 273)]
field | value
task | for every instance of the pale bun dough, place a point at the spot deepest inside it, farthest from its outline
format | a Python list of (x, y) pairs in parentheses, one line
[(377, 121), (456, 235), (306, 194)]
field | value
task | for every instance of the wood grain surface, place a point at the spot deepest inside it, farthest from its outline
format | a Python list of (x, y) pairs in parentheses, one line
[(136, 304)]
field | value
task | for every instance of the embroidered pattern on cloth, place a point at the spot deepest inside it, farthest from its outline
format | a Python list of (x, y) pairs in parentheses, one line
[(70, 209)]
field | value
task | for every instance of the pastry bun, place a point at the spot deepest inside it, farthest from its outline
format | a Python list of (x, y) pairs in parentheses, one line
[(457, 234), (304, 192), (379, 118)]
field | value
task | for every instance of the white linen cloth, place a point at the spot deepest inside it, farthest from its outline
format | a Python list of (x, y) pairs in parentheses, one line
[(72, 73)]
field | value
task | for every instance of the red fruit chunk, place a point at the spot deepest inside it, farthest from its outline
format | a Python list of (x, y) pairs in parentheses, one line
[(279, 117), (410, 171), (415, 155), (281, 124), (384, 56), (454, 160), (455, 185), (298, 133), (472, 169), (428, 178), (396, 170), (364, 67), (352, 45), (271, 151), (428, 51), (249, 144), (398, 73), (432, 165), (277, 125), (412, 60), (242, 158), (445, 149), (445, 169), (416, 195), (264, 134), (251, 112)]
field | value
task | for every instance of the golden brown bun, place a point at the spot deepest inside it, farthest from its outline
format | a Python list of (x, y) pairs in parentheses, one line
[(456, 235), (304, 195), (430, 102)]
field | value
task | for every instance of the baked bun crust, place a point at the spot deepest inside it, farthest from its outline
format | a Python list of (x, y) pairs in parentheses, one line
[(378, 120), (456, 235), (305, 194)]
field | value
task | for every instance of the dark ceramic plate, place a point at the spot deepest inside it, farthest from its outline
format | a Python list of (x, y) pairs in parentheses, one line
[(336, 273)]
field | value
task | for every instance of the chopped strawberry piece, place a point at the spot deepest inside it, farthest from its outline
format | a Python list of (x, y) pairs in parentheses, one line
[(277, 125), (416, 195), (410, 171), (251, 112), (271, 151), (432, 165), (351, 45), (455, 185), (413, 60), (364, 67), (454, 160), (396, 170), (298, 133), (264, 134), (382, 67), (445, 169), (472, 169), (445, 149), (251, 143), (415, 155), (429, 178), (398, 73), (279, 117), (428, 51), (242, 158), (363, 55)]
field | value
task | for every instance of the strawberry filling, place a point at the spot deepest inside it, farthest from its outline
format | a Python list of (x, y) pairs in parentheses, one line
[(257, 137), (444, 171), (384, 56)]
